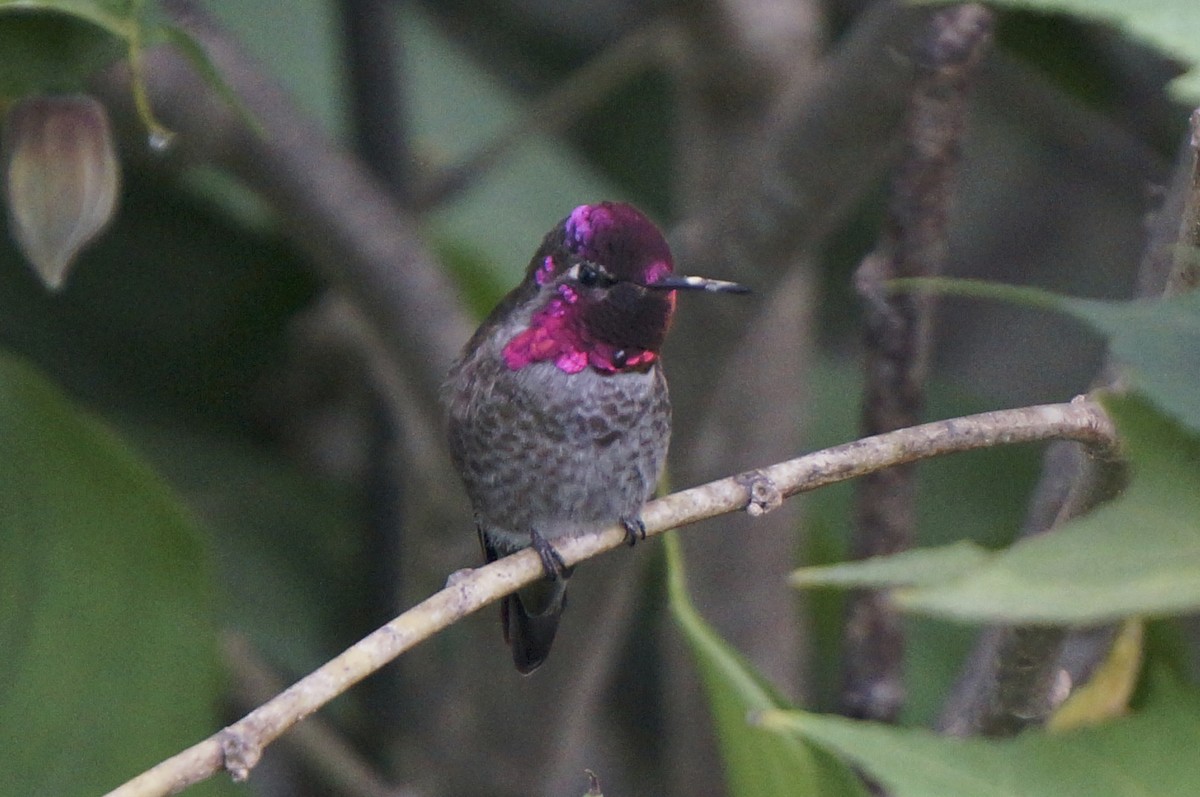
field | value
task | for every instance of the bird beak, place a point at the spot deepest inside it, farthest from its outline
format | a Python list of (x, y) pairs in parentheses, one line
[(673, 283)]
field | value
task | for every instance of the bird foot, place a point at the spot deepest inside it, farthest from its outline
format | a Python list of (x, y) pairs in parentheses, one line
[(635, 530), (552, 563)]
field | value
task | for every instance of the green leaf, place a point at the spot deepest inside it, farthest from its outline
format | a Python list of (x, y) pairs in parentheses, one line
[(1158, 340), (51, 53), (910, 568), (108, 658), (53, 46), (756, 762), (1139, 554), (1173, 26), (1150, 754)]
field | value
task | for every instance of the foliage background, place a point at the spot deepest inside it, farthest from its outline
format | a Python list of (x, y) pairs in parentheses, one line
[(201, 445)]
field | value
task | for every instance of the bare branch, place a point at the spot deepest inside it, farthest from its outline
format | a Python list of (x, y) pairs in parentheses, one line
[(320, 745), (897, 341), (238, 747)]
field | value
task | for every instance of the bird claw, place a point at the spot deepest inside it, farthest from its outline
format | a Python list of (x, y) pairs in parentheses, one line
[(635, 530), (552, 564)]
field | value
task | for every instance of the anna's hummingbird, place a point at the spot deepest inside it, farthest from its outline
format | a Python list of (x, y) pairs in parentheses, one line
[(558, 411)]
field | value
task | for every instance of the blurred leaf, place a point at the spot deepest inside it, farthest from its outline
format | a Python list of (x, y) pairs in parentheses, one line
[(1158, 340), (756, 762), (108, 657), (1151, 754), (54, 45), (1139, 554), (911, 568), (1173, 26), (276, 532), (50, 52), (1106, 694)]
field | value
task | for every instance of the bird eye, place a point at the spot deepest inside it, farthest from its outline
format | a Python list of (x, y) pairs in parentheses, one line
[(588, 275)]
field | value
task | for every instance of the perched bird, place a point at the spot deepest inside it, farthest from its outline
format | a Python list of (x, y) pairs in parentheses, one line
[(558, 412)]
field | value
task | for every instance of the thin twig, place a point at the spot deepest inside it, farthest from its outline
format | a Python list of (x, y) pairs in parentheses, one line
[(897, 341), (238, 747), (322, 748)]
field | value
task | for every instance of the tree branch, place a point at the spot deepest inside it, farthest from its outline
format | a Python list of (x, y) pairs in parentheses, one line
[(897, 332), (238, 747), (377, 96), (321, 748), (1185, 275)]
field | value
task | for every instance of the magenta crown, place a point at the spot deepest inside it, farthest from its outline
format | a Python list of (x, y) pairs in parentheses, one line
[(615, 319), (619, 236)]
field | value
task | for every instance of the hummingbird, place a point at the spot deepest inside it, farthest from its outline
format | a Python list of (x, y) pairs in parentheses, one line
[(558, 414)]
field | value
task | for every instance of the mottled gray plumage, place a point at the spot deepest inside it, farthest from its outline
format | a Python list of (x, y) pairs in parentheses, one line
[(562, 454), (558, 411)]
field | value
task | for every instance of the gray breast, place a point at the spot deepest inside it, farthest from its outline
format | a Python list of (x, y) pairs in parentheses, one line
[(560, 453)]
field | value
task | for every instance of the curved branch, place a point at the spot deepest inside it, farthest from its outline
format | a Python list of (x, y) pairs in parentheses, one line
[(238, 747)]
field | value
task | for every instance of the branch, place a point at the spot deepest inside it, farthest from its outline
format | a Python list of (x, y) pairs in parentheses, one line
[(371, 50), (1185, 275), (318, 745), (238, 747), (897, 338)]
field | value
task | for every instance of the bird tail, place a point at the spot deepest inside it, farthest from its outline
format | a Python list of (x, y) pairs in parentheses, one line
[(531, 620)]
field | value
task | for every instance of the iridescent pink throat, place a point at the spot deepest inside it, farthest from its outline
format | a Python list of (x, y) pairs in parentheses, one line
[(555, 333)]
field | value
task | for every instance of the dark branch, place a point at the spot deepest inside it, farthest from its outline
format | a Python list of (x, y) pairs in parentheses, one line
[(1185, 274), (897, 341), (376, 94)]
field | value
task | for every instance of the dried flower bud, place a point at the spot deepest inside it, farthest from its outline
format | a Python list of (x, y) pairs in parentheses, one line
[(61, 178)]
